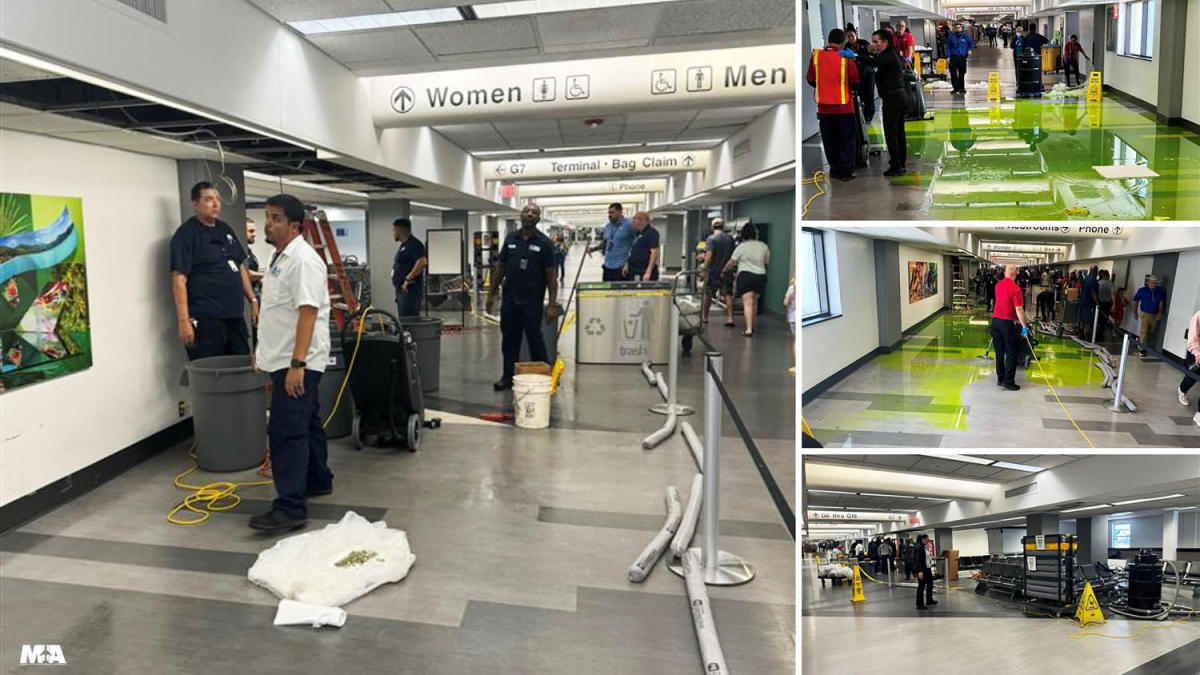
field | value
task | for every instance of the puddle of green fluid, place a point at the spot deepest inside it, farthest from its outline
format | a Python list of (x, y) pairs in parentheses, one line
[(924, 369), (1032, 159)]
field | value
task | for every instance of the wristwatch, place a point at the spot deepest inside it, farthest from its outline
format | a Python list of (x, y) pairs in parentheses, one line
[(297, 363)]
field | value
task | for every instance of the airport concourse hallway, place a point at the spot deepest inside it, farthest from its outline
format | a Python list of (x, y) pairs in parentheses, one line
[(937, 390), (522, 540), (1021, 159), (992, 633)]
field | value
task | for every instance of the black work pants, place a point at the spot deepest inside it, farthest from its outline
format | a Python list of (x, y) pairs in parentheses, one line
[(958, 72), (1072, 65), (408, 304), (866, 94), (218, 337), (299, 454), (519, 320), (613, 274), (839, 137), (895, 104), (1004, 339), (925, 587)]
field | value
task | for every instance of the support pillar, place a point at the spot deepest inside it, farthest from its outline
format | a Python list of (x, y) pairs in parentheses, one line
[(693, 230), (1170, 536), (943, 540), (1099, 538), (381, 248), (1083, 532), (1041, 523)]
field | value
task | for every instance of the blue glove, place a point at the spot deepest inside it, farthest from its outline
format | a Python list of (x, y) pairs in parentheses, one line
[(1024, 331)]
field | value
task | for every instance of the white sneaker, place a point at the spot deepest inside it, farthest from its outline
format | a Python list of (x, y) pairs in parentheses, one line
[(1196, 419), (1183, 399)]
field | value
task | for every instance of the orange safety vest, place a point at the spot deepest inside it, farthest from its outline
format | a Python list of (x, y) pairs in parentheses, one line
[(833, 85)]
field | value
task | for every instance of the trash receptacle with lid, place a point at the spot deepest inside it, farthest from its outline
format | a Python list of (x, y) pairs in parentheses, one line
[(1029, 75), (229, 412), (331, 382), (426, 332)]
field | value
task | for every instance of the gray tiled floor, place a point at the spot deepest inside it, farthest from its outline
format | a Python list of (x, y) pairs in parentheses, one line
[(967, 632), (522, 541)]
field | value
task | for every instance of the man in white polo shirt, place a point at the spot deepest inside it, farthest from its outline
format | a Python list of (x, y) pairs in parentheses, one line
[(293, 346)]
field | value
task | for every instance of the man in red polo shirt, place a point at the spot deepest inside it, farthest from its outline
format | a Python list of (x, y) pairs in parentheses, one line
[(1006, 331), (832, 74)]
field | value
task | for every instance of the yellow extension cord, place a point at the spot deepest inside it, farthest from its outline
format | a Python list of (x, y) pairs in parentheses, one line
[(222, 495), (1056, 398), (818, 178), (1074, 636)]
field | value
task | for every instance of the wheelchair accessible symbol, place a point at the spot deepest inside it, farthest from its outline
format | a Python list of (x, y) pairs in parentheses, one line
[(662, 81), (578, 87)]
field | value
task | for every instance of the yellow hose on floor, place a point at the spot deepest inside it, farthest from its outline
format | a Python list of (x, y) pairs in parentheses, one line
[(818, 178), (1056, 398), (222, 495)]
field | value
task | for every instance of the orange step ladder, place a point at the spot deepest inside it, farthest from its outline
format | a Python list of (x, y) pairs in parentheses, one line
[(319, 235)]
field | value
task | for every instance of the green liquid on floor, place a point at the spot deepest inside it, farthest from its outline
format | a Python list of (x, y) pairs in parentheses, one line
[(942, 359), (1033, 159)]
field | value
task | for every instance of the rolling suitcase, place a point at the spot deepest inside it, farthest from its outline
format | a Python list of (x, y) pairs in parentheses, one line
[(916, 99)]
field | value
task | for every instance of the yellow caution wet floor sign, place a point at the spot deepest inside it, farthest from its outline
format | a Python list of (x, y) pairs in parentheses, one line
[(858, 596), (1089, 608)]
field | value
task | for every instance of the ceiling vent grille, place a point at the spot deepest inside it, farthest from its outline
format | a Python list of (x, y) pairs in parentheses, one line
[(1029, 489), (155, 9)]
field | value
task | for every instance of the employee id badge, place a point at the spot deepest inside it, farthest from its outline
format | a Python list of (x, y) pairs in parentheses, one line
[(232, 265), (524, 264)]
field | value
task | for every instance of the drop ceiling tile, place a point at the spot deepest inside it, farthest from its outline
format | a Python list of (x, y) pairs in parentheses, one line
[(473, 37), (48, 123), (10, 110), (14, 71), (740, 114), (937, 465), (1047, 461), (484, 128), (692, 133), (526, 127), (901, 461), (720, 16), (299, 10), (658, 116), (585, 29), (1019, 459), (977, 471), (392, 44)]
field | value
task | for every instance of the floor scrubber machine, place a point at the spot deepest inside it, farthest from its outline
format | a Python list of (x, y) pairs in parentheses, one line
[(385, 381)]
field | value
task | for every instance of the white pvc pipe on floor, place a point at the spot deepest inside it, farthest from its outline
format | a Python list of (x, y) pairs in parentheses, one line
[(694, 444), (687, 527), (663, 390), (702, 616), (662, 433), (648, 373), (654, 550)]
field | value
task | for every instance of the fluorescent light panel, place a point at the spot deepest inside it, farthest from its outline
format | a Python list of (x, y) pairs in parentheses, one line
[(832, 492), (1019, 467), (431, 206), (254, 175), (1086, 508), (961, 458), (419, 17), (496, 10), (875, 494), (1147, 499)]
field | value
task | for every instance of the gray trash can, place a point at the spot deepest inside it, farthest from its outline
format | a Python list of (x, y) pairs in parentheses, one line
[(427, 334), (229, 412), (549, 335), (331, 382)]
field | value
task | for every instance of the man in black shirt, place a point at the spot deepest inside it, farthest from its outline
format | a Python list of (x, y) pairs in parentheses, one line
[(408, 268), (526, 267), (209, 279), (643, 257)]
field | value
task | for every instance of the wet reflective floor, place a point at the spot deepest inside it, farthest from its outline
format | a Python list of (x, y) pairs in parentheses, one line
[(1023, 158), (938, 389)]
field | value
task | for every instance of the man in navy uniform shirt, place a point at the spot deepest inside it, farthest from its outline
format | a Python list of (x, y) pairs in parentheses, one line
[(408, 268), (643, 256), (209, 279), (526, 267)]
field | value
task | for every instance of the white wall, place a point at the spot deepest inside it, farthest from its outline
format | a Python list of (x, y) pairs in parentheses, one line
[(1139, 267), (772, 140), (834, 344), (913, 313), (971, 542), (1134, 76), (1185, 301), (1191, 68), (1012, 539), (130, 209), (1189, 523)]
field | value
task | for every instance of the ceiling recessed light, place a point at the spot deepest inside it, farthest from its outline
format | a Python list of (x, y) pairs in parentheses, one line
[(1019, 467), (876, 494), (1086, 508), (832, 492), (960, 458), (1147, 499)]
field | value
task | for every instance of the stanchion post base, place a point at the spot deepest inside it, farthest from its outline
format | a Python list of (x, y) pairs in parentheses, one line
[(665, 409), (1116, 406), (731, 570)]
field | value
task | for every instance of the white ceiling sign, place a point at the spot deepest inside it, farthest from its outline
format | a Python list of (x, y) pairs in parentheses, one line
[(596, 165), (1073, 231), (637, 198), (590, 87), (855, 515), (592, 187)]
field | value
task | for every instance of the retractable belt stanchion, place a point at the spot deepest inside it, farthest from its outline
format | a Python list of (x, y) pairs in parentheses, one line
[(719, 568), (1116, 404), (1095, 323)]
